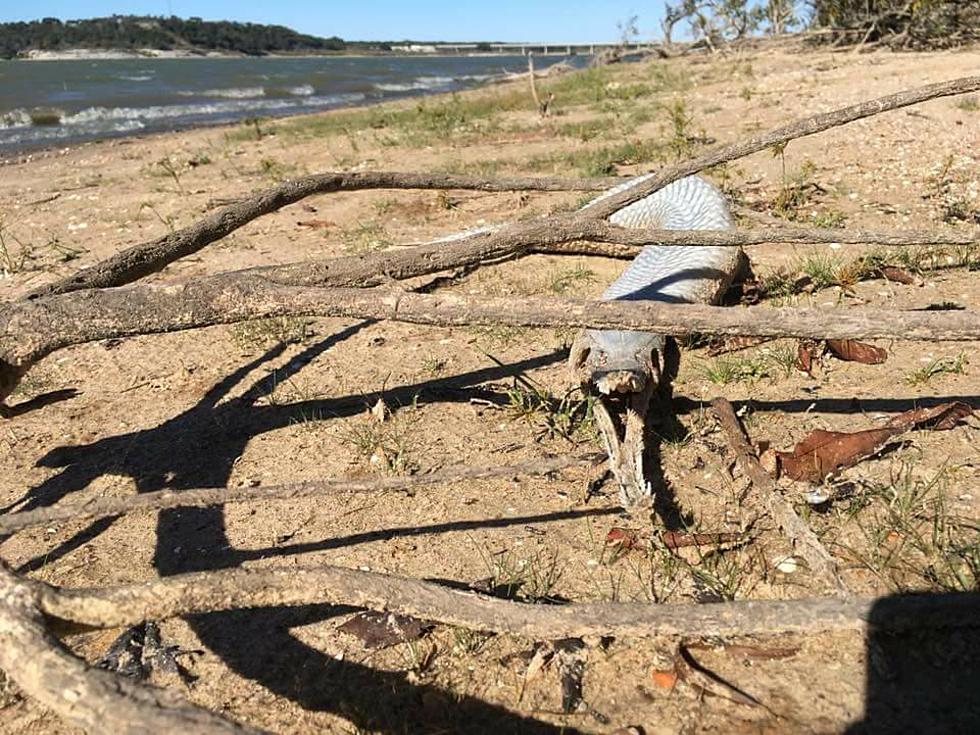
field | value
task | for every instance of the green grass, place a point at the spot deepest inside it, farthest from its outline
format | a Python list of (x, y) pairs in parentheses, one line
[(567, 279), (427, 122), (968, 104), (569, 416), (772, 362), (263, 333), (365, 237), (909, 537), (940, 366)]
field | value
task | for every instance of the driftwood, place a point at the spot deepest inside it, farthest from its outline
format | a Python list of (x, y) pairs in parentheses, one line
[(199, 498), (30, 330), (798, 129), (231, 589), (802, 538)]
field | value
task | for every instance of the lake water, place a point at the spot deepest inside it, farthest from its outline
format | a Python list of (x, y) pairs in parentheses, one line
[(45, 103)]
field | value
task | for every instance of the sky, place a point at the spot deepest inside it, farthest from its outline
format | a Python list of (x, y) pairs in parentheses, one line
[(575, 21)]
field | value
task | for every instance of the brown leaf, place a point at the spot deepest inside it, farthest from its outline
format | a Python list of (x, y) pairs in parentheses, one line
[(822, 453), (899, 275), (664, 679), (380, 629), (850, 350), (622, 538), (804, 358), (938, 418)]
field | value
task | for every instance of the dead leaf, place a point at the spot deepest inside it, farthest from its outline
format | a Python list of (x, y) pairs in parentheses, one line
[(623, 539), (938, 418), (804, 358), (899, 275), (664, 679), (851, 350), (380, 411), (822, 453), (539, 661), (381, 630)]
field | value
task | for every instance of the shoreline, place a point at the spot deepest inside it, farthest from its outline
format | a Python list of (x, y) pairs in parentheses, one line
[(152, 54), (17, 151), (26, 152)]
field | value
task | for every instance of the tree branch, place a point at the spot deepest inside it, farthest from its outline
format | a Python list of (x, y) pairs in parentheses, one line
[(140, 260), (109, 507), (802, 538), (93, 700), (230, 589)]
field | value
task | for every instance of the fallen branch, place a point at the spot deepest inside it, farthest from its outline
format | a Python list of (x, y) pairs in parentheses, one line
[(232, 589), (799, 129), (93, 700), (31, 330), (109, 507), (802, 538), (149, 257)]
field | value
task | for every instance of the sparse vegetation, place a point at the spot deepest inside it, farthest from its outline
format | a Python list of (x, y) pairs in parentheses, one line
[(940, 366)]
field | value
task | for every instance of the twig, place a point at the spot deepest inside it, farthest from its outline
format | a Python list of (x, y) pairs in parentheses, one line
[(141, 260), (93, 700), (230, 589), (108, 507), (803, 539)]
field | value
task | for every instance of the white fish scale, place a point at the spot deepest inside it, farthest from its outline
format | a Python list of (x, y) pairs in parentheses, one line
[(674, 273), (664, 272)]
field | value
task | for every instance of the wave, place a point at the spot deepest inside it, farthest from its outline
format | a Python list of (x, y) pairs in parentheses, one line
[(23, 126), (247, 93), (235, 93), (431, 83), (137, 77)]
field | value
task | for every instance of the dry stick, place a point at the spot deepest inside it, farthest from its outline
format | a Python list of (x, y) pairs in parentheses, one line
[(141, 260), (93, 700), (108, 507), (799, 129), (31, 330), (233, 589), (803, 539)]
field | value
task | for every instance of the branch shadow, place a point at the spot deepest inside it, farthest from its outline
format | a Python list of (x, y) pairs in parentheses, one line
[(259, 644)]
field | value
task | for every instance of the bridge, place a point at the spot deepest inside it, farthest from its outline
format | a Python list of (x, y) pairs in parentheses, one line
[(517, 48)]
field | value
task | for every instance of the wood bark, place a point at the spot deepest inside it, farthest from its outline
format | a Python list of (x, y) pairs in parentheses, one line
[(800, 535), (30, 330), (93, 700), (230, 589), (202, 497)]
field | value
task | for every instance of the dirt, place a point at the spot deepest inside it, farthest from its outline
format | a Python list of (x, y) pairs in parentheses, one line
[(269, 403)]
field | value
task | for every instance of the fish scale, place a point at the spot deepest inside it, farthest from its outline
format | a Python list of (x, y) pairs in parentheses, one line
[(668, 273)]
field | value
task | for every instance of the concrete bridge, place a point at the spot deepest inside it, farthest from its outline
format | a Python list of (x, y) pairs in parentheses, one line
[(519, 48)]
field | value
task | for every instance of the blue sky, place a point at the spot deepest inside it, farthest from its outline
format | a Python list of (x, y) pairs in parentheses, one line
[(510, 20)]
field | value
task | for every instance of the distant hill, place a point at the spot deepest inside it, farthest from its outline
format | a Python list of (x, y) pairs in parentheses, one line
[(131, 33)]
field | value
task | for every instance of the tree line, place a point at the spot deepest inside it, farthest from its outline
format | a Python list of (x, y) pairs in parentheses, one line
[(895, 23), (132, 33)]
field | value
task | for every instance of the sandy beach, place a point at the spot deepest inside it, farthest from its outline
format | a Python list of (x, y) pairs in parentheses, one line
[(269, 402)]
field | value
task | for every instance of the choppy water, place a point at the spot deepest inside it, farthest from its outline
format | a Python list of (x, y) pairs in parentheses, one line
[(54, 102)]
